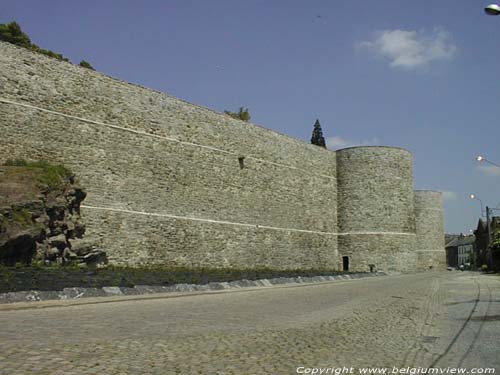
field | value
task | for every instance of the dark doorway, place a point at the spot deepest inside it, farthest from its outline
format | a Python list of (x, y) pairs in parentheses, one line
[(345, 263)]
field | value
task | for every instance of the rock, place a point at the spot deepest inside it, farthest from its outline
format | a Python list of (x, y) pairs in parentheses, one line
[(68, 254), (53, 252), (18, 248), (96, 257), (79, 230), (38, 220), (80, 247), (41, 250), (18, 235), (58, 241), (42, 220), (70, 226)]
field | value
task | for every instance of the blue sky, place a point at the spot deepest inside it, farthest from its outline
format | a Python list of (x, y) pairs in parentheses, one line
[(423, 75)]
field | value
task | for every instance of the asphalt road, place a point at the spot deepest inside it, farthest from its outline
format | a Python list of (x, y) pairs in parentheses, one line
[(402, 323)]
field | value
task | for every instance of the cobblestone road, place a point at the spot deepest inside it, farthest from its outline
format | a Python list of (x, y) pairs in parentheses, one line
[(430, 319)]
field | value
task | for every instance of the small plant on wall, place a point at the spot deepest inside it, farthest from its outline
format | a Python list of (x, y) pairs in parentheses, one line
[(242, 114)]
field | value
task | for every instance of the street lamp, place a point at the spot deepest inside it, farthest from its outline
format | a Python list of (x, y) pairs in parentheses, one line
[(489, 214), (492, 10), (482, 159), (473, 196)]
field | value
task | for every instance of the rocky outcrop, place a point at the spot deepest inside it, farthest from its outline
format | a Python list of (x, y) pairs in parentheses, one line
[(40, 217)]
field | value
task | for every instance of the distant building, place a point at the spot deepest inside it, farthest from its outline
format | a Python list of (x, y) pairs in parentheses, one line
[(451, 250), (481, 248), (465, 250), (495, 254), (483, 254), (460, 250), (450, 237)]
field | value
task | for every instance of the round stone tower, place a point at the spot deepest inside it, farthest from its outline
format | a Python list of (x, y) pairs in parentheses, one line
[(430, 248), (376, 217)]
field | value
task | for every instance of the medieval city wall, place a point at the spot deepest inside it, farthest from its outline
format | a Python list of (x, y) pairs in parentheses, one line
[(174, 183), (169, 182)]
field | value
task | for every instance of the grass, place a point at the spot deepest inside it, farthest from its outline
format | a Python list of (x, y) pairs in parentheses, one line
[(53, 176), (22, 217)]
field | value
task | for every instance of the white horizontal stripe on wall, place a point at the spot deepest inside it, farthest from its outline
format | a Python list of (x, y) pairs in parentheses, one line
[(120, 128), (255, 226)]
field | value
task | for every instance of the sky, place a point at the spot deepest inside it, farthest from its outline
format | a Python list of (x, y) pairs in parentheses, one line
[(422, 75)]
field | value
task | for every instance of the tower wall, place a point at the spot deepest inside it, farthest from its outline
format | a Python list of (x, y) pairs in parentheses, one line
[(430, 247), (375, 208)]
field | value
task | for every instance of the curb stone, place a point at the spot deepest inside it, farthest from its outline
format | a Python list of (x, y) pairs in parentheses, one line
[(108, 291)]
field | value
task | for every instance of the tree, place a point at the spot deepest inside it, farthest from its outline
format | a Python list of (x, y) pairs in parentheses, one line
[(12, 33), (317, 135), (86, 64), (495, 244), (242, 114)]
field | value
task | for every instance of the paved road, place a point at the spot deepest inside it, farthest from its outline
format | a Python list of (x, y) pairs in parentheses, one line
[(435, 319)]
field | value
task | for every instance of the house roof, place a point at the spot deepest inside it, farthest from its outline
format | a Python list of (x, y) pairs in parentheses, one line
[(461, 240), (481, 225), (448, 238)]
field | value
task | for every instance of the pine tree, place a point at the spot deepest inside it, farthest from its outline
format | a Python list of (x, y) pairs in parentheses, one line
[(317, 135)]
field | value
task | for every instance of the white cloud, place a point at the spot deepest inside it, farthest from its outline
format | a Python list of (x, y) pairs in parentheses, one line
[(412, 49), (335, 143), (489, 170), (449, 195)]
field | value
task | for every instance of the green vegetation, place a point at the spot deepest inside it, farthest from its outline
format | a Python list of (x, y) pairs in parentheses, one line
[(12, 33), (52, 176), (49, 53), (317, 135), (495, 250), (495, 244), (20, 216), (242, 114), (86, 64), (55, 277)]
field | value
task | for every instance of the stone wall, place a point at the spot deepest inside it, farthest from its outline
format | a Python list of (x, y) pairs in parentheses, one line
[(174, 183), (375, 208), (429, 230), (164, 177)]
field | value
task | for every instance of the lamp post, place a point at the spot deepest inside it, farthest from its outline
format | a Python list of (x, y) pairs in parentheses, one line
[(473, 196), (489, 213), (482, 159), (492, 10)]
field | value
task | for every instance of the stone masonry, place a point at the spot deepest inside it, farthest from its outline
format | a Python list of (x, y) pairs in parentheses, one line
[(429, 229), (174, 183), (375, 207)]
